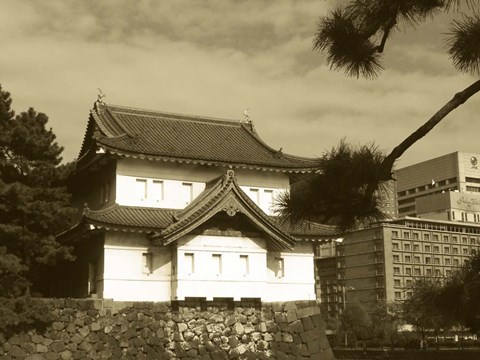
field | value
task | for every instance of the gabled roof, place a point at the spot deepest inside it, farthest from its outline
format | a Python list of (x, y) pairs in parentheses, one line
[(221, 195), (184, 138), (224, 195)]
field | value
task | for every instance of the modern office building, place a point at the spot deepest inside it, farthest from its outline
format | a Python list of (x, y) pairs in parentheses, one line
[(428, 181), (382, 262)]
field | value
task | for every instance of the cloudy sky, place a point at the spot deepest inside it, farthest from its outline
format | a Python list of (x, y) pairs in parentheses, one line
[(217, 58)]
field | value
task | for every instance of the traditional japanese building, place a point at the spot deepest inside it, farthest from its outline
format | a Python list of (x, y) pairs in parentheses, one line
[(178, 206)]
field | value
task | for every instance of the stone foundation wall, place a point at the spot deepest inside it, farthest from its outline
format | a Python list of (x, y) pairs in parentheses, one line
[(103, 329)]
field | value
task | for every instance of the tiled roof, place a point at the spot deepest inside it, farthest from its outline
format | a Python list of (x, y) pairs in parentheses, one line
[(130, 217), (168, 225), (184, 138)]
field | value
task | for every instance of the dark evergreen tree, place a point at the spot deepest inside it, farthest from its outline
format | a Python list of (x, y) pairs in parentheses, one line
[(34, 202), (459, 297)]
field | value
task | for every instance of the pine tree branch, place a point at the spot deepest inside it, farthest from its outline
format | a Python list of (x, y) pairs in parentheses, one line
[(386, 33), (456, 101)]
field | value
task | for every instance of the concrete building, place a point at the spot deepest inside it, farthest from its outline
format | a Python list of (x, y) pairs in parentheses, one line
[(180, 206), (381, 262), (429, 180)]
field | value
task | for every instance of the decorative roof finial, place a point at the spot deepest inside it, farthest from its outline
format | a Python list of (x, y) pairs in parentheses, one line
[(246, 116), (100, 96)]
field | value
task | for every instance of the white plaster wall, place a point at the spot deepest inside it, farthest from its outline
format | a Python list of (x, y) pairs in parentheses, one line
[(231, 282), (124, 276), (298, 282), (174, 175)]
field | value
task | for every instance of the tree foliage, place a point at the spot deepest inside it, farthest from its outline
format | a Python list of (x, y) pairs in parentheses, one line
[(353, 38), (459, 298), (386, 322), (355, 321), (34, 203), (420, 308)]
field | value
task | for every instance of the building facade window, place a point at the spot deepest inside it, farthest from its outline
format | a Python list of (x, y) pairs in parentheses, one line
[(141, 189), (396, 270), (147, 263), (245, 266), (217, 264), (406, 247), (187, 193), (279, 267), (189, 263)]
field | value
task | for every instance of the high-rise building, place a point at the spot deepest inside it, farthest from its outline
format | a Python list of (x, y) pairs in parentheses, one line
[(423, 189), (382, 262)]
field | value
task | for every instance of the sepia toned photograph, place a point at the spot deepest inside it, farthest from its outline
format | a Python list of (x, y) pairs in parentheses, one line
[(240, 179)]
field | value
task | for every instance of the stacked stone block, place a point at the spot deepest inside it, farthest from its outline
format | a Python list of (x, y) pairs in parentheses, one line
[(103, 329)]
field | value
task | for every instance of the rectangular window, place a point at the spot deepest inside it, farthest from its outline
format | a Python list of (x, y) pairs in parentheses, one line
[(415, 236), (408, 283), (396, 270), (456, 262), (436, 249), (437, 273), (448, 272), (406, 235), (187, 193), (255, 195), (141, 189), (435, 237), (408, 271), (395, 234), (189, 263), (428, 260), (406, 247), (416, 259), (447, 261), (416, 247), (279, 267), (217, 264), (398, 295), (269, 198), (445, 238), (396, 258), (147, 263), (417, 271), (408, 258), (426, 237), (446, 250), (427, 248), (436, 261), (455, 250), (429, 272), (157, 190), (465, 251), (396, 282), (244, 265)]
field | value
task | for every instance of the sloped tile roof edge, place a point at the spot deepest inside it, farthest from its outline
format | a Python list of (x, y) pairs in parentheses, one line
[(104, 130)]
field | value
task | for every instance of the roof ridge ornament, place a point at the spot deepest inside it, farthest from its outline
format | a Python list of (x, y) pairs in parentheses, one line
[(247, 120), (100, 96)]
